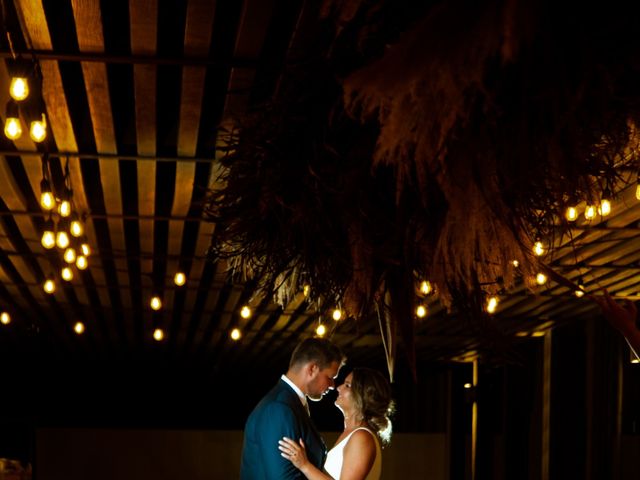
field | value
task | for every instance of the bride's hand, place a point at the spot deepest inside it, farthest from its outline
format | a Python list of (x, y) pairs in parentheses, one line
[(292, 451)]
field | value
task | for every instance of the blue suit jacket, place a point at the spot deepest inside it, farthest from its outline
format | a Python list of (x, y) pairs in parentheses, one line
[(279, 414)]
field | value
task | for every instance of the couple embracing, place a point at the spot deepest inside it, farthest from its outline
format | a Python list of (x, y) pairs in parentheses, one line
[(280, 439)]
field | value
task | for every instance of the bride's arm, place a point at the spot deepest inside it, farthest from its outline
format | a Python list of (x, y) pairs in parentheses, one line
[(296, 454)]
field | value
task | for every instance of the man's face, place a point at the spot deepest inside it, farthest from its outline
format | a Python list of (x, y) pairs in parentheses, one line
[(321, 380)]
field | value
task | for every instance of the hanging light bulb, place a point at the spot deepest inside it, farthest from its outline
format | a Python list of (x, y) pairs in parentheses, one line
[(38, 129), (155, 303), (48, 235), (180, 279), (571, 214), (306, 290), (538, 248), (589, 212), (64, 208), (158, 334), (580, 291), (47, 201), (492, 304), (19, 88), (62, 237), (5, 318), (604, 208), (79, 328), (70, 255), (67, 274), (421, 311), (49, 286), (321, 330), (425, 287), (81, 262), (84, 248), (515, 263), (337, 314), (245, 312), (235, 334), (541, 279), (12, 125), (75, 227)]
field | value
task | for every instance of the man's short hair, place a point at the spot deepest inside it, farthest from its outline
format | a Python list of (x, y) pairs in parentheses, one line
[(318, 350)]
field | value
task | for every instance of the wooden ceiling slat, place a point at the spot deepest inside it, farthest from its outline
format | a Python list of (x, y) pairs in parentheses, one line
[(144, 33), (88, 19)]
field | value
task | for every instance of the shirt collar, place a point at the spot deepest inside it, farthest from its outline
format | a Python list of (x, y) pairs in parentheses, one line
[(302, 396)]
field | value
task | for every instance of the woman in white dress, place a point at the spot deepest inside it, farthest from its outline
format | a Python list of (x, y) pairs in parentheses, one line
[(365, 401)]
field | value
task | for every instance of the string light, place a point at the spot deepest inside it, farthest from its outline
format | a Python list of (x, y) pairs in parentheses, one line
[(245, 311), (5, 318), (321, 330), (79, 328), (19, 88), (538, 248), (158, 334), (492, 304), (49, 286), (541, 279), (67, 274), (590, 212), (337, 314), (155, 303), (425, 287), (571, 214), (235, 334), (179, 279), (48, 240), (70, 255), (421, 311), (81, 262), (38, 129)]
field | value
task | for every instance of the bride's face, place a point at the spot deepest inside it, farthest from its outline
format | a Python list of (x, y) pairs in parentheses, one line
[(344, 401)]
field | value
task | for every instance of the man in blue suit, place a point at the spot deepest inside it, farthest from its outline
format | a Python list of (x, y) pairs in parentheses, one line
[(284, 412)]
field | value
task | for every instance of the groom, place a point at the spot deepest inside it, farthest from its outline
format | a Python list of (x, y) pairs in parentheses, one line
[(284, 412)]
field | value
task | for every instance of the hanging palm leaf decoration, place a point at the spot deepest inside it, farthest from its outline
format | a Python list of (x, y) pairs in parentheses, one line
[(435, 143)]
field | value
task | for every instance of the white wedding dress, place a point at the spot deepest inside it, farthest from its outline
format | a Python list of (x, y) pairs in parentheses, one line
[(335, 457)]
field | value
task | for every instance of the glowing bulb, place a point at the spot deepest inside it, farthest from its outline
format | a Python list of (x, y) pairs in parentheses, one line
[(515, 263), (62, 239), (158, 334), (76, 229), (235, 334), (589, 212), (49, 286), (538, 248), (179, 279), (5, 318), (571, 214), (321, 330), (492, 304), (541, 279), (48, 239), (85, 249), (38, 130), (306, 290), (79, 328), (67, 274), (579, 293), (12, 128), (337, 314), (64, 209), (47, 202), (81, 262), (19, 88), (425, 287), (421, 311), (605, 207), (245, 312), (155, 303), (70, 255), (467, 386)]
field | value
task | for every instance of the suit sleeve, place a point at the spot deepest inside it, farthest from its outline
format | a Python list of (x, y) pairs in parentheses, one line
[(278, 421)]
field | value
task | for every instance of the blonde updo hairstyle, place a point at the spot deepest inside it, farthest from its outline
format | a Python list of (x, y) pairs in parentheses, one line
[(371, 394)]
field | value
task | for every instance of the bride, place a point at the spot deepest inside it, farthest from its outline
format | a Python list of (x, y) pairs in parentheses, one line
[(365, 401)]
